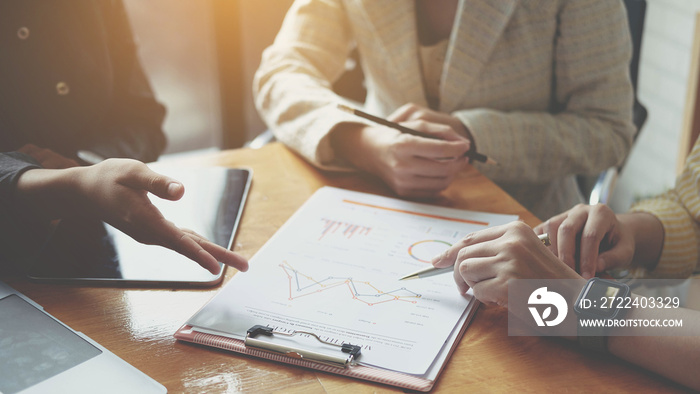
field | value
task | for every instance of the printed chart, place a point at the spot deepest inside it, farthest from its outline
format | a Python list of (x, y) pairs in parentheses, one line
[(343, 229), (425, 250), (302, 285), (334, 269)]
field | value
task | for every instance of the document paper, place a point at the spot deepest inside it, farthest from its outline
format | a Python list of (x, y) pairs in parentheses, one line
[(333, 269)]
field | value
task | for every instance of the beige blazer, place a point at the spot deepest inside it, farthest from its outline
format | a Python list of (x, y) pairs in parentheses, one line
[(543, 85)]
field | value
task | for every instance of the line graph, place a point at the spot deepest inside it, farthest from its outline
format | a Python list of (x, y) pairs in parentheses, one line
[(302, 285)]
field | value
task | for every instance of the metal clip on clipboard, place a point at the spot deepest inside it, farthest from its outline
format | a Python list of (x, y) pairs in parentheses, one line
[(352, 351)]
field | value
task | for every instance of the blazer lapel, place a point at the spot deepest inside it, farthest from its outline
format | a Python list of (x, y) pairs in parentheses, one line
[(394, 25), (478, 26)]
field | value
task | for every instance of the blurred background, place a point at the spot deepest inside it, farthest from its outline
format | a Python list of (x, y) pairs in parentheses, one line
[(201, 57)]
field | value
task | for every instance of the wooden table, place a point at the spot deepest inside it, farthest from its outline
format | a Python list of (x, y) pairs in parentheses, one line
[(138, 324)]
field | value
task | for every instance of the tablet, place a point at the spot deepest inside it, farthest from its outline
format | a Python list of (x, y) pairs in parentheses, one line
[(86, 250), (39, 354)]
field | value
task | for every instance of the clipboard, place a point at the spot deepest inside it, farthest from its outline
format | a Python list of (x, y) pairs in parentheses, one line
[(332, 271), (347, 367)]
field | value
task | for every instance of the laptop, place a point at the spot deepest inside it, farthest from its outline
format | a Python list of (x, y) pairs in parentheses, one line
[(39, 354)]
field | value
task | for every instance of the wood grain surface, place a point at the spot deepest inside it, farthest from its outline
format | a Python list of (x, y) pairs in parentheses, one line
[(138, 324)]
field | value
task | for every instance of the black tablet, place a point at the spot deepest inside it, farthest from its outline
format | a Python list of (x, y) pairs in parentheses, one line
[(88, 250)]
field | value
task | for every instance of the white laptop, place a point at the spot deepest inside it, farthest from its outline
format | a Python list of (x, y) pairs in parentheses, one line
[(39, 354)]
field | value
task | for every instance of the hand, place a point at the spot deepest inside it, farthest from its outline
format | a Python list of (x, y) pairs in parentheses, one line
[(486, 260), (453, 129), (412, 166), (415, 166), (590, 239), (47, 158), (115, 191)]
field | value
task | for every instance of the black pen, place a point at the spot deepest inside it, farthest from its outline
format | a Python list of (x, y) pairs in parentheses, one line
[(473, 155)]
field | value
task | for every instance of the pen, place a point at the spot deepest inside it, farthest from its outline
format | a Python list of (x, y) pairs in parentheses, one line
[(470, 154), (431, 271)]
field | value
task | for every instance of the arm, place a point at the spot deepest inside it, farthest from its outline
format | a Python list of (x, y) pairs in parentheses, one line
[(678, 211), (593, 239), (292, 86), (659, 238), (487, 260), (675, 357), (115, 191), (293, 95), (589, 124)]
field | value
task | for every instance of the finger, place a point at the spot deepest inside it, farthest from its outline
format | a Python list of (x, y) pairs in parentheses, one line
[(434, 148), (619, 256), (413, 166), (187, 246), (449, 257), (193, 233), (403, 113), (491, 292), (225, 256), (412, 179), (477, 269), (551, 227), (439, 168), (568, 236), (220, 253), (596, 228), (462, 285), (435, 127), (166, 234), (142, 177)]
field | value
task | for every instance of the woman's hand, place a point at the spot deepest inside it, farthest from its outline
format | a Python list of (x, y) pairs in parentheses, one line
[(487, 260), (590, 239), (412, 166), (411, 113)]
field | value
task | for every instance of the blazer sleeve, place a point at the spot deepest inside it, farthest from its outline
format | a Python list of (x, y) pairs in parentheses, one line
[(589, 125), (292, 87), (679, 213)]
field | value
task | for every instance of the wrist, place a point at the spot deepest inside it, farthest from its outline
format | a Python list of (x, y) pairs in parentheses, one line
[(354, 143), (598, 302), (647, 235), (48, 194)]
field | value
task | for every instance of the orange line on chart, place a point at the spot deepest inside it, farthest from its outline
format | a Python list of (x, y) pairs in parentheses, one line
[(427, 215), (348, 282)]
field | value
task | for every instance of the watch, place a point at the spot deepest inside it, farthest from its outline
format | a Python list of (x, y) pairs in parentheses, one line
[(600, 301)]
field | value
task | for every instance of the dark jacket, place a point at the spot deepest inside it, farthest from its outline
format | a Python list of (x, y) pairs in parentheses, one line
[(70, 79)]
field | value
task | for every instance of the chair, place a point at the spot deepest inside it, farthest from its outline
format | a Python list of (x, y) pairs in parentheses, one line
[(598, 189)]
